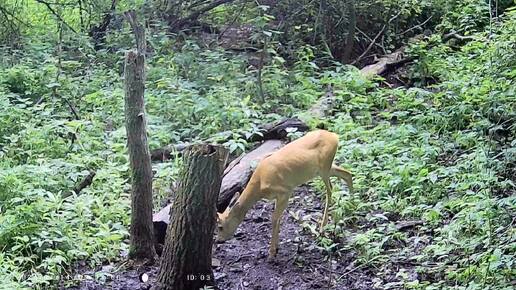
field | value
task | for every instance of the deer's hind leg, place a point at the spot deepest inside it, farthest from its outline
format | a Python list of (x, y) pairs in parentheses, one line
[(327, 183)]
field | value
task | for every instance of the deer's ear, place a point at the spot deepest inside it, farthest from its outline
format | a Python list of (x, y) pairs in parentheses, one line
[(219, 217)]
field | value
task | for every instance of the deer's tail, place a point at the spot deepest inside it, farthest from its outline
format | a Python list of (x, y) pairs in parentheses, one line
[(343, 174)]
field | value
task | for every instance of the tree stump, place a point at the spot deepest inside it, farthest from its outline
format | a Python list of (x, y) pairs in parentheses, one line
[(186, 260)]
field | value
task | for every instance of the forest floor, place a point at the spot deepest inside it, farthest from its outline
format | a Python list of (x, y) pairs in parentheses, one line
[(241, 263)]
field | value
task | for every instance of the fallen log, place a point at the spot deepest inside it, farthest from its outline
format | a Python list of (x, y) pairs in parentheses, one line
[(235, 178), (85, 182), (401, 226), (167, 152), (269, 131), (391, 61), (160, 221), (88, 179), (386, 64), (455, 35), (278, 130), (324, 105)]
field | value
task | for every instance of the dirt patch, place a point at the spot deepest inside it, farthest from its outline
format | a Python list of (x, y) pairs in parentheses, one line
[(300, 264)]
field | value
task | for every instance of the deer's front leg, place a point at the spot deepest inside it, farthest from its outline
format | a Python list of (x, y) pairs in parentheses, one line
[(281, 205)]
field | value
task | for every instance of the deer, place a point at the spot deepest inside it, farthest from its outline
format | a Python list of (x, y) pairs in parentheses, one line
[(278, 174)]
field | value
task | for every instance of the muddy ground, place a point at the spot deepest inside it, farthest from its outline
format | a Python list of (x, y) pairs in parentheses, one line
[(241, 263)]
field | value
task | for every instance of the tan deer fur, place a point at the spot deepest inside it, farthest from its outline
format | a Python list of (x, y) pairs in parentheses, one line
[(277, 175)]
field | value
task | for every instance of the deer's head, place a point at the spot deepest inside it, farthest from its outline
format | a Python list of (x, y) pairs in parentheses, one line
[(228, 221)]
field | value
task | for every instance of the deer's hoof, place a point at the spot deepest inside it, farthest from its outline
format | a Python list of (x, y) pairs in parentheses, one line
[(272, 255), (321, 227)]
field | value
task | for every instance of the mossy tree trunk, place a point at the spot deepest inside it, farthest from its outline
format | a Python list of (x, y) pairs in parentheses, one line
[(186, 260), (142, 243)]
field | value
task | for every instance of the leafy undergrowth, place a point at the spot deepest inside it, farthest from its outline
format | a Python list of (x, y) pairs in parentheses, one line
[(433, 165), (440, 157), (192, 94)]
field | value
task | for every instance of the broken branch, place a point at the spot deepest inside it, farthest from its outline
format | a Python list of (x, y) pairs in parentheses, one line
[(138, 30)]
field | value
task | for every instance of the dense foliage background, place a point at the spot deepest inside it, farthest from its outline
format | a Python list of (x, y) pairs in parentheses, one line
[(437, 146)]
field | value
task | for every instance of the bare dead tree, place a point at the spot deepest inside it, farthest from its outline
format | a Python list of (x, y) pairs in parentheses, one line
[(142, 236)]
